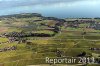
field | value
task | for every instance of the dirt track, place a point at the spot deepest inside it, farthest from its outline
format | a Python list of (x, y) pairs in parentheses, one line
[(3, 29)]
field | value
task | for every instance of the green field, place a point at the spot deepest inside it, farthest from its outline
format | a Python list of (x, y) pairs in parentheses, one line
[(69, 40)]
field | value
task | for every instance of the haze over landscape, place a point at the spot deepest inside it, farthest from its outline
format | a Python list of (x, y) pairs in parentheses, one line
[(49, 33), (54, 8)]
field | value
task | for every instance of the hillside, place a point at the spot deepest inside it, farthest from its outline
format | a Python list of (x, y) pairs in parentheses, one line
[(27, 39)]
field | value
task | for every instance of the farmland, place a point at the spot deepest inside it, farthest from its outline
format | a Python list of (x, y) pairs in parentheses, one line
[(51, 35)]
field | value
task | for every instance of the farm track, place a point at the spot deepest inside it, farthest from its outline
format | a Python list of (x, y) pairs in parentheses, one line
[(66, 39), (76, 31)]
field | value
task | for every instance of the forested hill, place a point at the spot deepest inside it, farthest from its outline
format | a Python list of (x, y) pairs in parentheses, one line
[(30, 15), (23, 15)]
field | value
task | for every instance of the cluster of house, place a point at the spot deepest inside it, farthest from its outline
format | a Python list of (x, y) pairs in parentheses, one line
[(86, 21), (8, 48), (95, 25), (75, 23), (95, 49), (71, 23)]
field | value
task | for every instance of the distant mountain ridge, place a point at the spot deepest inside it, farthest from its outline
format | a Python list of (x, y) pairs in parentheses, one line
[(23, 15), (29, 15)]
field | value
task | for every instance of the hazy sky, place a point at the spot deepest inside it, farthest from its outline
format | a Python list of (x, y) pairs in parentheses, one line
[(58, 8)]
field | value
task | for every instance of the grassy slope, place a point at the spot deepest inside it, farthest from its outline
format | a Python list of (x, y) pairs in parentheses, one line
[(66, 42)]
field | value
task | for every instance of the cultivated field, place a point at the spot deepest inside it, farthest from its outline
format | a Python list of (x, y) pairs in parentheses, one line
[(69, 41)]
